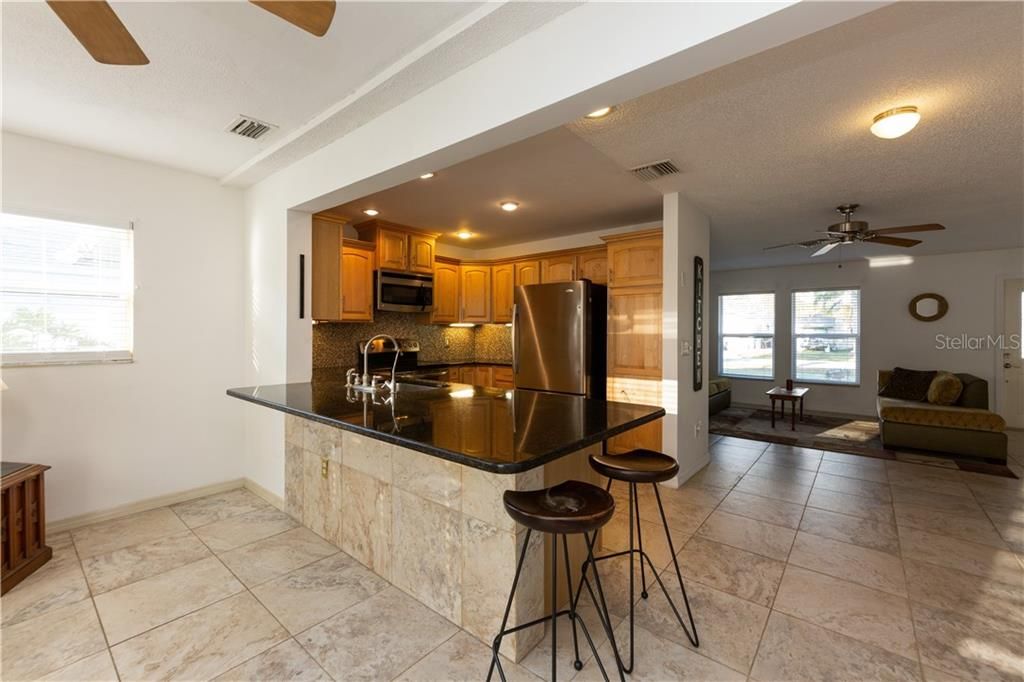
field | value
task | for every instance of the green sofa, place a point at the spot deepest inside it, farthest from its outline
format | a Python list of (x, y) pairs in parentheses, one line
[(967, 427)]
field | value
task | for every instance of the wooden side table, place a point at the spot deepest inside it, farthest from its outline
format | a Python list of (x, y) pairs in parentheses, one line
[(783, 396), (23, 518)]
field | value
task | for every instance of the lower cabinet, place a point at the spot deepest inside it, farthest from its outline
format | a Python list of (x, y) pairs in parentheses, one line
[(647, 437)]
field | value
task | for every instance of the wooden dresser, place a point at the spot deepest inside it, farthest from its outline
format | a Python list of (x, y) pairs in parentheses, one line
[(24, 547)]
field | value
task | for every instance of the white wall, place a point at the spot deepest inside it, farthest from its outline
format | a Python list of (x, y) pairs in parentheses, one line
[(687, 235), (889, 335), (116, 434)]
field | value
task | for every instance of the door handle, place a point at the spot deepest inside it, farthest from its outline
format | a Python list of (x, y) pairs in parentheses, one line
[(515, 336)]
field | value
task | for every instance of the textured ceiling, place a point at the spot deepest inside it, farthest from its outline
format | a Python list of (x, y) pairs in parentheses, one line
[(563, 185), (211, 61), (769, 145)]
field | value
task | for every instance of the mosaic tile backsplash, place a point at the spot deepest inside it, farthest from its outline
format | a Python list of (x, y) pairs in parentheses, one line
[(334, 344)]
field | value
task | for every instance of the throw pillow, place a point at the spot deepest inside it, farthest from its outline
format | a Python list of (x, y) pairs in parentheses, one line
[(908, 384), (945, 389)]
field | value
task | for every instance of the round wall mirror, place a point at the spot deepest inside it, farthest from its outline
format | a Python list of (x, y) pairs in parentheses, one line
[(928, 307)]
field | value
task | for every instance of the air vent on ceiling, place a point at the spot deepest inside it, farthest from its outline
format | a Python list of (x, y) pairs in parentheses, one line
[(653, 171), (247, 126)]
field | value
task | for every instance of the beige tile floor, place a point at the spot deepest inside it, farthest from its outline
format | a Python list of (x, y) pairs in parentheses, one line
[(800, 565)]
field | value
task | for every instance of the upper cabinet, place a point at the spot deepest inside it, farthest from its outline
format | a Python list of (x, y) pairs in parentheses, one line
[(446, 293), (475, 283), (593, 265), (342, 288), (527, 272), (421, 253), (356, 282), (503, 284), (634, 259), (558, 269), (399, 247)]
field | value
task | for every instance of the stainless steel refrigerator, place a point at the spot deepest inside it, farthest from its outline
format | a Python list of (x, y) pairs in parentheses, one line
[(559, 338)]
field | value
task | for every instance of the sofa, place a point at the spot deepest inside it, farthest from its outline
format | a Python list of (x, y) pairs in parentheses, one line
[(967, 427), (719, 395)]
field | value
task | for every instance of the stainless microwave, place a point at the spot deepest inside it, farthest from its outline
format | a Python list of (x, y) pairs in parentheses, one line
[(404, 292)]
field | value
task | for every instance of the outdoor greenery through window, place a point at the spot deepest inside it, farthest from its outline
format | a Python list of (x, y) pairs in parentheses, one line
[(65, 291), (746, 335), (826, 336)]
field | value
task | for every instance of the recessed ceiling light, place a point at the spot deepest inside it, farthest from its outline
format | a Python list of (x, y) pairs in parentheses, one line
[(463, 234), (509, 206), (371, 212), (600, 113), (426, 176), (895, 122)]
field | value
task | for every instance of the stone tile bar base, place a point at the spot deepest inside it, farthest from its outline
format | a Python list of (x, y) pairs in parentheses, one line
[(433, 528)]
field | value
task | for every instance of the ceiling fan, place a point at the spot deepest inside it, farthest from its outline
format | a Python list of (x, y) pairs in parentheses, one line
[(102, 34), (851, 231)]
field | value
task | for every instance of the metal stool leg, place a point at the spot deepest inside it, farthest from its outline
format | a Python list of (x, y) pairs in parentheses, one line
[(604, 615), (577, 663), (495, 660), (554, 607), (640, 542), (694, 638)]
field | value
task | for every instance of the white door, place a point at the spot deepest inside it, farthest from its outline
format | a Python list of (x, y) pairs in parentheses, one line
[(1012, 354)]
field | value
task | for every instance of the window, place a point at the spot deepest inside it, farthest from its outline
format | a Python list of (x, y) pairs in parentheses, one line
[(746, 335), (65, 291), (826, 336)]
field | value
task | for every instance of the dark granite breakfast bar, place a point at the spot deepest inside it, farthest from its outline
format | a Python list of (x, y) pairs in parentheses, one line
[(412, 487)]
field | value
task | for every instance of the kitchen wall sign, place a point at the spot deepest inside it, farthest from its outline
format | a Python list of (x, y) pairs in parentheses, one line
[(698, 323)]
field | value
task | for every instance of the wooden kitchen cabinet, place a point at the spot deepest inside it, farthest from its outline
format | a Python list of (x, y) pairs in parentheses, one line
[(502, 377), (527, 272), (634, 331), (342, 274), (392, 251), (503, 285), (475, 283), (593, 265), (356, 282), (558, 269), (476, 435), (634, 260), (482, 376), (421, 253), (467, 374), (446, 293)]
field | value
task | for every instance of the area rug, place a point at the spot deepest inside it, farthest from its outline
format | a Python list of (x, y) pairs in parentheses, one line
[(852, 435)]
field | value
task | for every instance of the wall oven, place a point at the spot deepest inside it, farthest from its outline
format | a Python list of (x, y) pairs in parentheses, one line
[(404, 292)]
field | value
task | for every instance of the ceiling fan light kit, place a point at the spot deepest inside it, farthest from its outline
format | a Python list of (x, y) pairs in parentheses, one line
[(894, 123), (101, 32)]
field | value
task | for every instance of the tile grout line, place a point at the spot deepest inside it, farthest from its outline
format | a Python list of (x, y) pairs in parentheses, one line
[(906, 582), (95, 610), (418, 660)]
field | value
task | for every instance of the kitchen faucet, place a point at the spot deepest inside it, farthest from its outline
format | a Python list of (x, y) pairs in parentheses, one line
[(370, 384)]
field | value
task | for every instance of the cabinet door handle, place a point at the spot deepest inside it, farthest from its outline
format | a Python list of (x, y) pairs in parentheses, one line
[(611, 275)]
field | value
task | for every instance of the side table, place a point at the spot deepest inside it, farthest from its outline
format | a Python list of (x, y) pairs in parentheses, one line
[(783, 396), (23, 518)]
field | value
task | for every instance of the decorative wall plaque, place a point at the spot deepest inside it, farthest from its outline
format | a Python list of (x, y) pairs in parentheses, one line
[(698, 323), (928, 307)]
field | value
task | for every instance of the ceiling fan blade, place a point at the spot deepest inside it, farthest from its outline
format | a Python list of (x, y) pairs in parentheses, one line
[(825, 249), (806, 245), (929, 227), (99, 31), (314, 16), (893, 241)]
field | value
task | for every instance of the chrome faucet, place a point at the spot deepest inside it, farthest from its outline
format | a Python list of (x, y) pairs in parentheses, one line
[(369, 383)]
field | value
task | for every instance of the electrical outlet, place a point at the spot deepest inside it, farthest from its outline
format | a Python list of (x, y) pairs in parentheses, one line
[(323, 467)]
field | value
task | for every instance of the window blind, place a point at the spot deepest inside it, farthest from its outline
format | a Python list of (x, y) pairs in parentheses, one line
[(826, 336), (65, 291), (746, 335)]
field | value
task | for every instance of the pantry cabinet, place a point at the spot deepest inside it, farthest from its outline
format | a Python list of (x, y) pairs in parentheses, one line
[(634, 261)]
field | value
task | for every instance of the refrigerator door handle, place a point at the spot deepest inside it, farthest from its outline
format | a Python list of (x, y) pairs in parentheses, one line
[(515, 339)]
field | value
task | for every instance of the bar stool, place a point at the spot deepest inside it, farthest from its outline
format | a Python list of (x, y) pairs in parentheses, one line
[(569, 508), (637, 467)]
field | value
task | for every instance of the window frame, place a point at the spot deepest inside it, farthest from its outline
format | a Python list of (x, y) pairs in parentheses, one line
[(793, 336), (722, 335), (24, 359)]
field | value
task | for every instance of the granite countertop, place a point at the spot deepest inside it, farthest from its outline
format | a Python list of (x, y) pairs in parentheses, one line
[(496, 430), (431, 364)]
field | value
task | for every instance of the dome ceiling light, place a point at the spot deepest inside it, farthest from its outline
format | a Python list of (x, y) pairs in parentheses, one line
[(894, 123)]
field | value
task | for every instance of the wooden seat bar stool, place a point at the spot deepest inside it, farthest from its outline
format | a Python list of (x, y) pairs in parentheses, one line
[(635, 468), (569, 508)]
